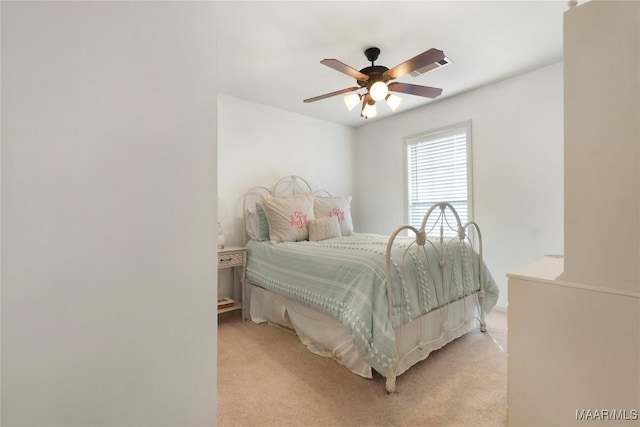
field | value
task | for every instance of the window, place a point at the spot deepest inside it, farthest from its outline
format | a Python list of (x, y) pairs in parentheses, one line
[(439, 170)]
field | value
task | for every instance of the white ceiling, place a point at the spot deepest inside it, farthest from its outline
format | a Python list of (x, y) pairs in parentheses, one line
[(269, 52)]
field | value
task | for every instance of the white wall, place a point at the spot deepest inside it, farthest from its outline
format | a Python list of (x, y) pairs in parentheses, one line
[(602, 144), (517, 150), (108, 213), (257, 145)]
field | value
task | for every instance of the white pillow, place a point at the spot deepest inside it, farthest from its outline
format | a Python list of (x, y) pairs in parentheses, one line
[(335, 206), (288, 217), (324, 228)]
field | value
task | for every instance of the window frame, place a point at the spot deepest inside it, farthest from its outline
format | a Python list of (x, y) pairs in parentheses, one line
[(430, 135)]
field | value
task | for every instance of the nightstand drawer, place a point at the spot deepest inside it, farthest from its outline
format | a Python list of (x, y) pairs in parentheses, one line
[(231, 259)]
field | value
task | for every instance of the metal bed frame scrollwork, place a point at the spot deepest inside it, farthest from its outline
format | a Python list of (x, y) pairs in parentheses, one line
[(437, 212)]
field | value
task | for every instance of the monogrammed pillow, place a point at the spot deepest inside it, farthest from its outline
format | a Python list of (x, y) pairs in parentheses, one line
[(335, 206), (288, 217)]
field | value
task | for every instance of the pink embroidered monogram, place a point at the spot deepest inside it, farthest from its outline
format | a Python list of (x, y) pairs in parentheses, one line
[(337, 212), (298, 219), (338, 207)]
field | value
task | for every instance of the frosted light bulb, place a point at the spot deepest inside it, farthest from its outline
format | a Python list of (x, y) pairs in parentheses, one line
[(378, 91)]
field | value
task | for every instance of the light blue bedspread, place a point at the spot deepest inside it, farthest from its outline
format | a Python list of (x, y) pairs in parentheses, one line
[(345, 278)]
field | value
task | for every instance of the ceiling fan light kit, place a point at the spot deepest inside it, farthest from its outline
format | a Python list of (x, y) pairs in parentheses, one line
[(393, 101), (352, 100), (379, 90), (375, 79), (369, 111)]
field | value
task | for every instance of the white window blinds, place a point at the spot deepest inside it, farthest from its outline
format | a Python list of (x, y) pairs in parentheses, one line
[(439, 171)]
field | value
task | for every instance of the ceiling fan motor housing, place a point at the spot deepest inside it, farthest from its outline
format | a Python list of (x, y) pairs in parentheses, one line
[(375, 73)]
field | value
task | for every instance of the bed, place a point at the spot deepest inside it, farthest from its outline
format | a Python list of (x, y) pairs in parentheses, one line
[(370, 302)]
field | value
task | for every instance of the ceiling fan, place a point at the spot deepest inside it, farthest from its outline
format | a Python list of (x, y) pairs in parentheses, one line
[(375, 79)]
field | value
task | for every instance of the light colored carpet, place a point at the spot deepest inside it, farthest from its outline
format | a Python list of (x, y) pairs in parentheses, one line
[(266, 377)]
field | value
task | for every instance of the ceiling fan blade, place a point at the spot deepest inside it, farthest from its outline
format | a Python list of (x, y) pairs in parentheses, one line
[(426, 91), (415, 63), (344, 68), (329, 95)]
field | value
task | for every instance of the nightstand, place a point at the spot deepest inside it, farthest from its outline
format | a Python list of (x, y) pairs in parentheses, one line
[(233, 257)]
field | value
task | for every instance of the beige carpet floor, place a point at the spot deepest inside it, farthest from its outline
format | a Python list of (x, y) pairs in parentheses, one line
[(266, 377)]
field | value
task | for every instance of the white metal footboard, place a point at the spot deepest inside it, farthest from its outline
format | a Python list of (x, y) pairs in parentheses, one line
[(442, 232)]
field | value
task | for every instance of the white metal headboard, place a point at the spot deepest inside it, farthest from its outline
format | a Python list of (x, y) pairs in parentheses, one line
[(291, 185)]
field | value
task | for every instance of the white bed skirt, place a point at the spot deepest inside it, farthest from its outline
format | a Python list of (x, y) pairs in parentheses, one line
[(325, 336)]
